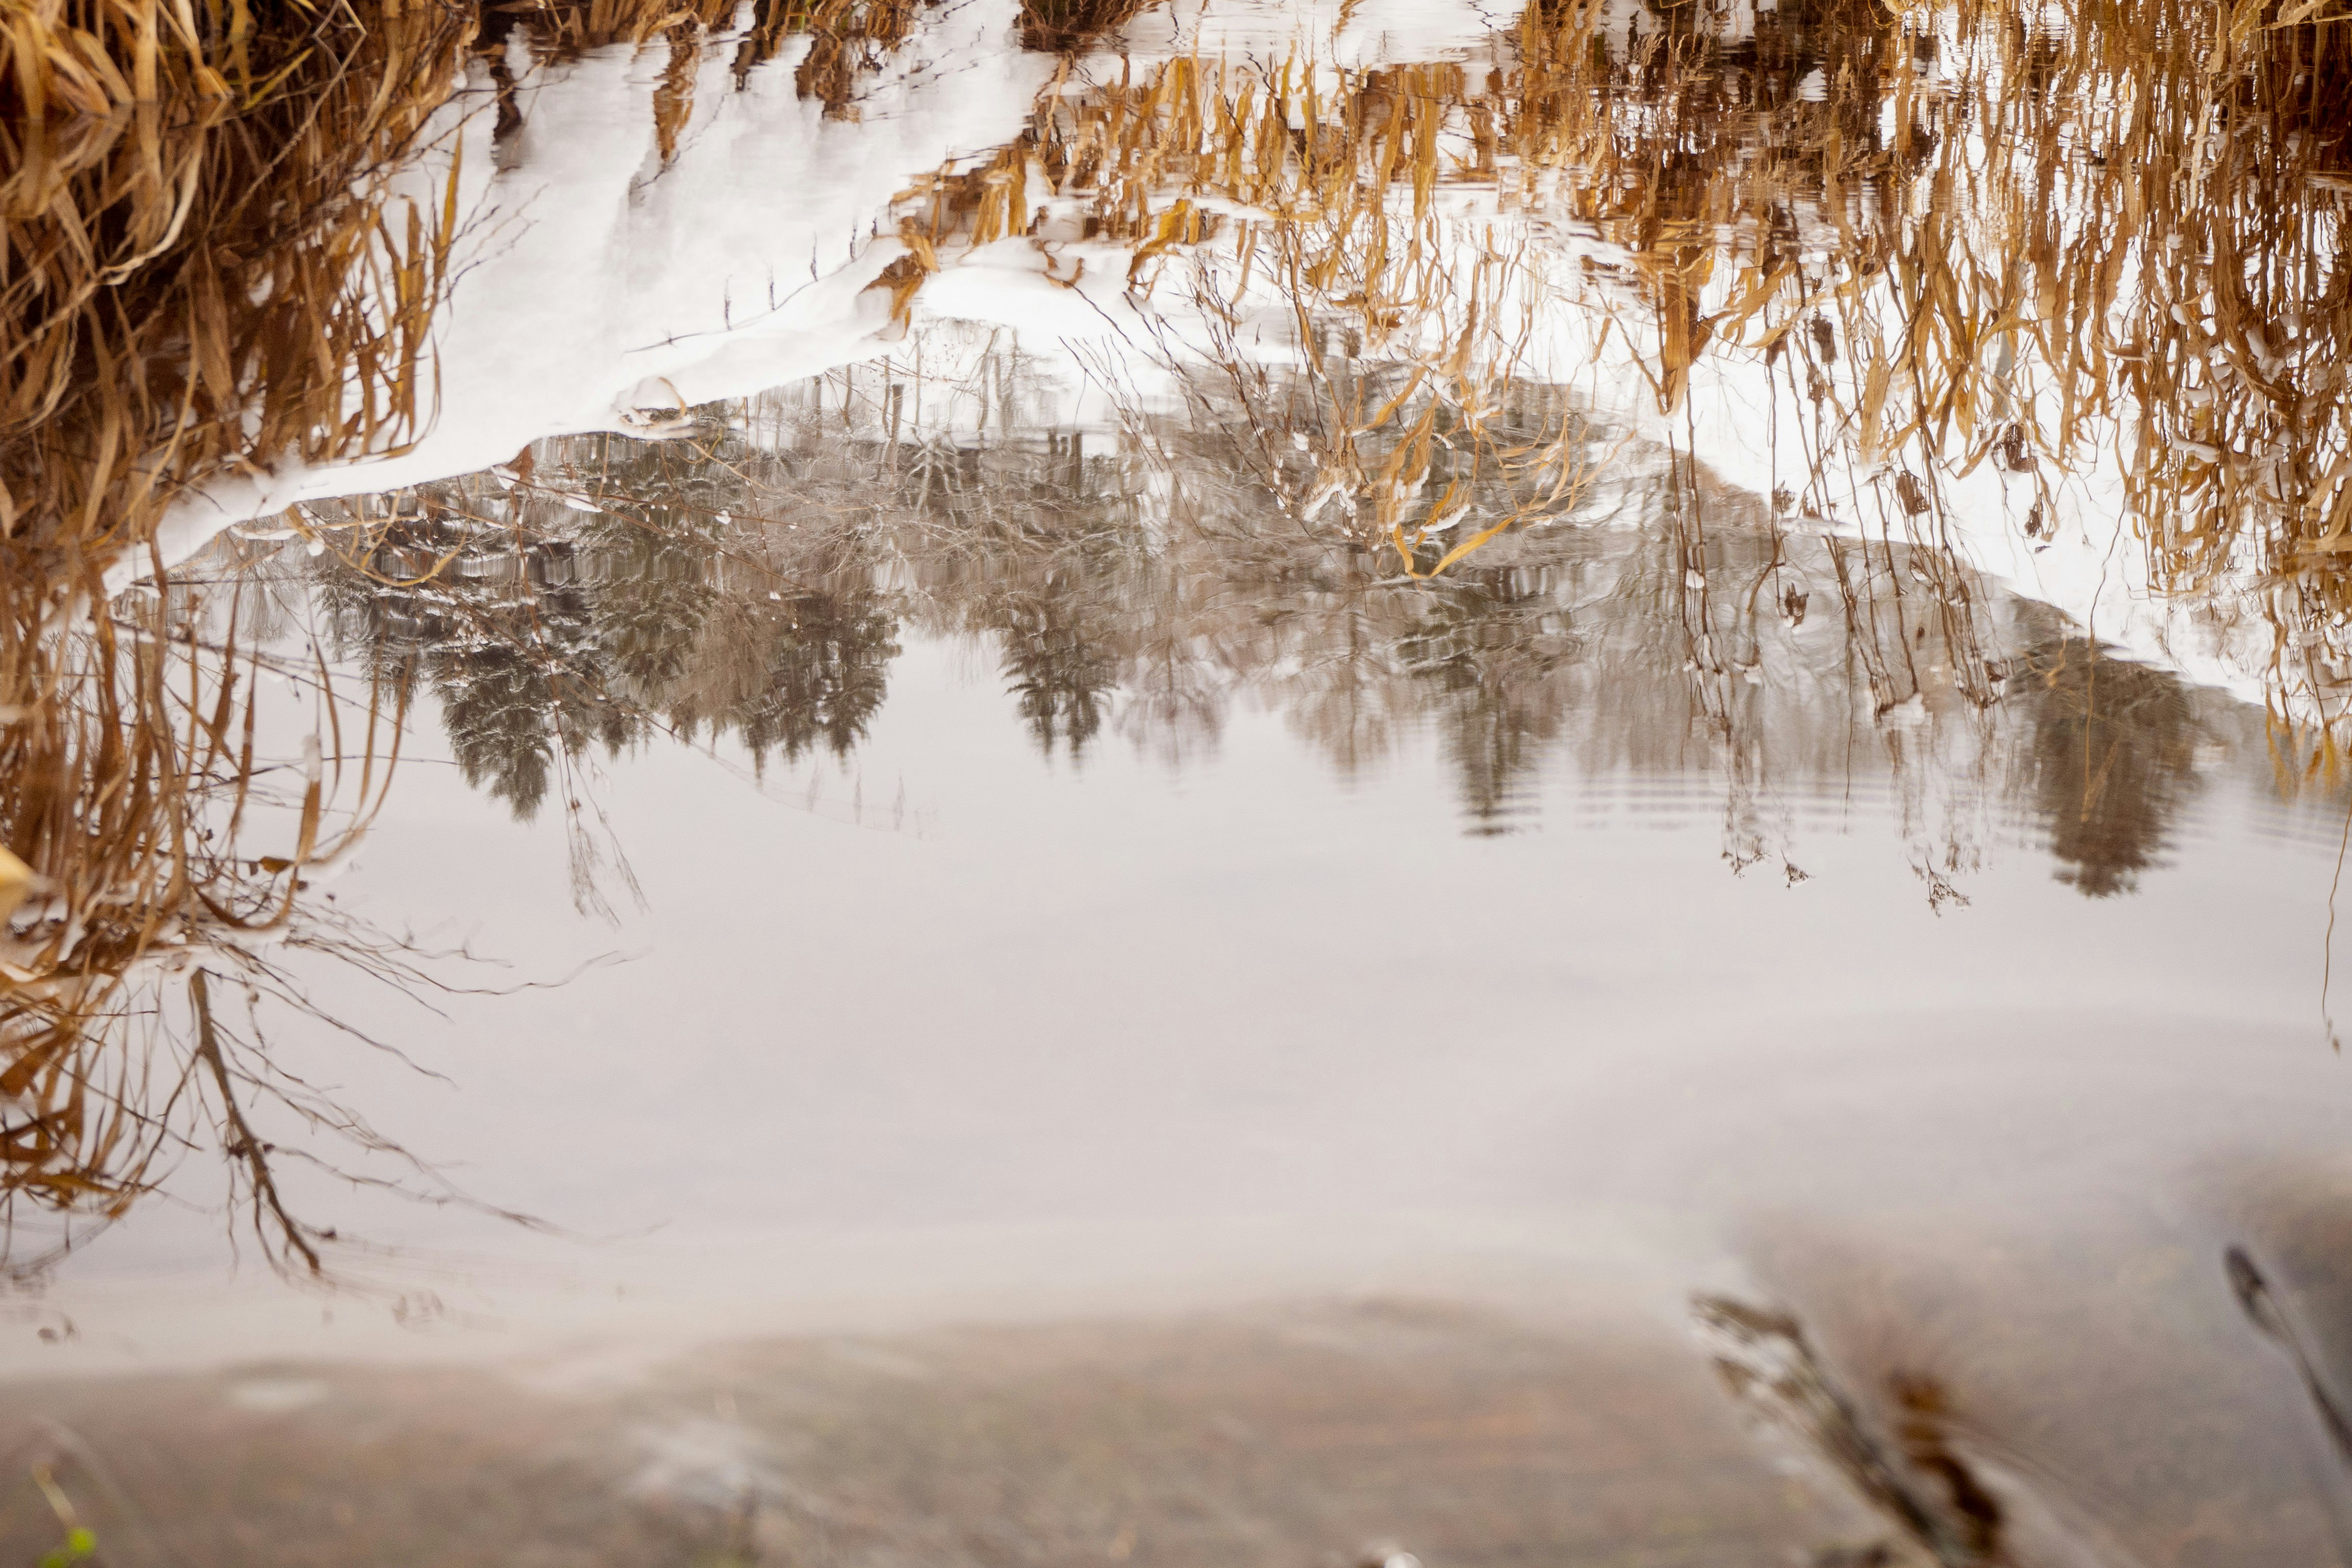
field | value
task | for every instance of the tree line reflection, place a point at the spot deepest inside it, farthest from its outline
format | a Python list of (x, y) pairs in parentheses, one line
[(757, 581)]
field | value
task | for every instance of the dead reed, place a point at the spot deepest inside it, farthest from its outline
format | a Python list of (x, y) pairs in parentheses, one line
[(2105, 248), (846, 39), (210, 284), (208, 267)]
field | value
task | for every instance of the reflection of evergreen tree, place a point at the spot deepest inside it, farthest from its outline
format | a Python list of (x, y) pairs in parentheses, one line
[(373, 633), (541, 647), (496, 707), (2114, 750), (827, 670), (518, 682), (1061, 677), (1060, 584), (511, 653), (1490, 640), (653, 590)]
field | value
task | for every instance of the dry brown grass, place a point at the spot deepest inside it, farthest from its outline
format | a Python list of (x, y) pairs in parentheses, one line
[(204, 270), (2111, 244), (163, 838), (195, 287), (847, 39)]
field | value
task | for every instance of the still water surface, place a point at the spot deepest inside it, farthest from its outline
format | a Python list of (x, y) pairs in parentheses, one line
[(1294, 931)]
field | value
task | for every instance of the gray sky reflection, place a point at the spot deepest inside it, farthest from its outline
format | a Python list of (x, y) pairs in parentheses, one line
[(1199, 1010)]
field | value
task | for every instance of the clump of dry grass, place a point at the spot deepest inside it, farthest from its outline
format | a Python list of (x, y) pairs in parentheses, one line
[(557, 30), (205, 285), (93, 58), (161, 841), (1070, 27), (846, 39), (203, 270)]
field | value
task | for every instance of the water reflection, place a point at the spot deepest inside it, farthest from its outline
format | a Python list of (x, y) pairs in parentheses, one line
[(166, 843), (2113, 759), (756, 584), (1398, 435)]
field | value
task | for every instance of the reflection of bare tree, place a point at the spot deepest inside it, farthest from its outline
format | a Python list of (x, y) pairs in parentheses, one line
[(1491, 645), (821, 679), (1063, 677)]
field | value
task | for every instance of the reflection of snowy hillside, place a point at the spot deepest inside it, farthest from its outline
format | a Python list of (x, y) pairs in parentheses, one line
[(1811, 306)]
